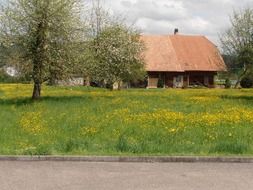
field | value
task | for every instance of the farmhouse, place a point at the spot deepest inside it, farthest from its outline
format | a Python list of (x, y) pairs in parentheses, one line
[(181, 61)]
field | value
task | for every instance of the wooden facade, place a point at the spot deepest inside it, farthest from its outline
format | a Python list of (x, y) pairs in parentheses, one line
[(181, 79)]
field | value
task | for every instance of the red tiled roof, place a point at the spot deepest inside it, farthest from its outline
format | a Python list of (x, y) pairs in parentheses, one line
[(180, 53)]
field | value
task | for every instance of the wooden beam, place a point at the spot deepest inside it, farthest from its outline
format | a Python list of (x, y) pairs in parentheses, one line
[(148, 82)]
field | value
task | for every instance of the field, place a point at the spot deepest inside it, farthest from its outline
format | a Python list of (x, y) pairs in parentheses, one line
[(87, 121)]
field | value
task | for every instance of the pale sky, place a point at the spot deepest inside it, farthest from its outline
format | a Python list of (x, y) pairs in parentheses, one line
[(197, 17)]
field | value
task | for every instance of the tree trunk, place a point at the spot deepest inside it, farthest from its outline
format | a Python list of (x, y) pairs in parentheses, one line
[(36, 91), (37, 80), (237, 83), (40, 57), (241, 77), (86, 81), (52, 80), (119, 85)]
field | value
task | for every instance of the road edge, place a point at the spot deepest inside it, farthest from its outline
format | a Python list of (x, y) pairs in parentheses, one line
[(143, 159)]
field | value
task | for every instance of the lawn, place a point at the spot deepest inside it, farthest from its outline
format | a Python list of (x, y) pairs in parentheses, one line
[(88, 121)]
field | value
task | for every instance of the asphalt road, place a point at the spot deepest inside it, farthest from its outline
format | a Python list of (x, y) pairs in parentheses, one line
[(124, 176)]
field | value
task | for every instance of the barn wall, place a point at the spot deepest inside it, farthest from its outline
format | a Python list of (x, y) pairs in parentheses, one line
[(186, 79)]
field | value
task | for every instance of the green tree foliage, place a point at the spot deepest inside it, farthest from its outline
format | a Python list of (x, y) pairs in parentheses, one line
[(237, 42), (228, 83), (247, 82), (97, 18), (117, 56), (113, 52), (245, 55), (44, 36)]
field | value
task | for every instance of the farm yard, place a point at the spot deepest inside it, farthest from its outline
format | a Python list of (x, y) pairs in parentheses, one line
[(90, 121)]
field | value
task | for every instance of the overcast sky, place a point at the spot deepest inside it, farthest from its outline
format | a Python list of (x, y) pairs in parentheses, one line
[(198, 17)]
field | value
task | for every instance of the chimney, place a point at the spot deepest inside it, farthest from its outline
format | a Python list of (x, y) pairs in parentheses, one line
[(176, 31)]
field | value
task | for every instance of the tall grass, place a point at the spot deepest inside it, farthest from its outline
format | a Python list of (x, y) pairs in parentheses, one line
[(84, 121)]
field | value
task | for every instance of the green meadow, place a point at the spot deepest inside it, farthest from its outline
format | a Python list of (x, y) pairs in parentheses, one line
[(90, 121)]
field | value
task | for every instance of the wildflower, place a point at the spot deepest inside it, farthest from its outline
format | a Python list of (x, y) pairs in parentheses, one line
[(172, 130), (32, 123)]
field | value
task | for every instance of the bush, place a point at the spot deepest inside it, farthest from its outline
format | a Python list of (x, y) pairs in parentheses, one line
[(5, 78), (246, 82), (160, 83), (228, 83)]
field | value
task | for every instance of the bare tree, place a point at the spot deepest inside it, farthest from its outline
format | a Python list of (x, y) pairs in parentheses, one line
[(99, 18)]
